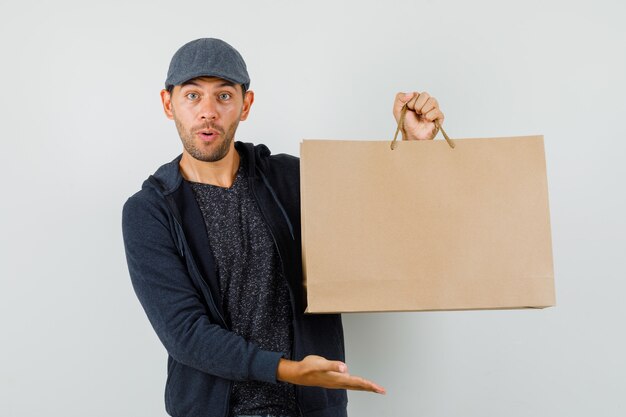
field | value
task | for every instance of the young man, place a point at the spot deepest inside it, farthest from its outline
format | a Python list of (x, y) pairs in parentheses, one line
[(213, 248)]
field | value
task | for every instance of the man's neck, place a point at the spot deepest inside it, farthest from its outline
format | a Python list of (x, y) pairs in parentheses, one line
[(221, 173)]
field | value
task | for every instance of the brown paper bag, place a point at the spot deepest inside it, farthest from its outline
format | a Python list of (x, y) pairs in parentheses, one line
[(425, 226)]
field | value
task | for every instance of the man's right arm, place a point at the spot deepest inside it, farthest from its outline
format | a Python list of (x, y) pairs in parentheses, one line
[(173, 303), (174, 307)]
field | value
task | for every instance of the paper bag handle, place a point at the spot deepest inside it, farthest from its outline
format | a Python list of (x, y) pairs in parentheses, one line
[(401, 123)]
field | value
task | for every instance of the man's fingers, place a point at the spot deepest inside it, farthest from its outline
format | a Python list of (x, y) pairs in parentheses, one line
[(317, 371), (434, 114), (337, 366), (401, 99), (423, 112), (430, 104), (418, 101), (319, 364), (360, 384)]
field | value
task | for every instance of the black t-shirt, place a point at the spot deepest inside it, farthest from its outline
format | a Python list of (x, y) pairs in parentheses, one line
[(253, 289)]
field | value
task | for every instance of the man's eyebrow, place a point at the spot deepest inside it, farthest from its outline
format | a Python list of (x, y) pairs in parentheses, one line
[(227, 83), (190, 82)]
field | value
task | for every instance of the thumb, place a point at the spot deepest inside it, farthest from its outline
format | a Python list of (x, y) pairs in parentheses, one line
[(337, 366), (401, 100)]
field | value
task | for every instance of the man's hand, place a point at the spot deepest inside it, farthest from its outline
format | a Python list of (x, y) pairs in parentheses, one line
[(422, 111), (316, 371)]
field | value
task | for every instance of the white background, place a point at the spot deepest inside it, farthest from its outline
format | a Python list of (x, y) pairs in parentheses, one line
[(82, 127)]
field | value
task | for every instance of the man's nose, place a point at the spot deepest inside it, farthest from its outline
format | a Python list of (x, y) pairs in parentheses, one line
[(208, 110)]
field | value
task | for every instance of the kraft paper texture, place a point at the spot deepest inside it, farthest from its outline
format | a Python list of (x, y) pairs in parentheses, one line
[(425, 226)]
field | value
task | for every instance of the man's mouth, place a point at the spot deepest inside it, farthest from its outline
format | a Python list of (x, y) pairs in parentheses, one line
[(208, 134)]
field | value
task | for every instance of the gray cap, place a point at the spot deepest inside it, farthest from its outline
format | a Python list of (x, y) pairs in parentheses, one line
[(208, 57)]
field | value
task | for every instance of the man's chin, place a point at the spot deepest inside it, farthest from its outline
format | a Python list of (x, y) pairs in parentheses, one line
[(215, 155)]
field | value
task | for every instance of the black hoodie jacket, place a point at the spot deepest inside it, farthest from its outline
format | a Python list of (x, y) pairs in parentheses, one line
[(174, 276)]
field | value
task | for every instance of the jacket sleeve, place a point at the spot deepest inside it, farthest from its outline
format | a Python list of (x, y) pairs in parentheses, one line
[(174, 305)]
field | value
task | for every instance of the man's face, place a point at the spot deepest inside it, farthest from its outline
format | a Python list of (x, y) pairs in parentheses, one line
[(207, 111)]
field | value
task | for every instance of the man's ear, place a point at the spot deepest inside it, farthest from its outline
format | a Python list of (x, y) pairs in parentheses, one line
[(166, 99), (248, 99)]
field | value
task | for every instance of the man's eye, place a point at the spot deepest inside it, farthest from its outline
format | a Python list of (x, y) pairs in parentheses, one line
[(224, 96), (192, 96)]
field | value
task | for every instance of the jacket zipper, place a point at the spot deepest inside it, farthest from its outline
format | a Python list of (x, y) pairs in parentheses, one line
[(280, 206), (282, 267), (219, 314)]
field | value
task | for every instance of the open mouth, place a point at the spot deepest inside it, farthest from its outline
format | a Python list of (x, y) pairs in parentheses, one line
[(207, 135)]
